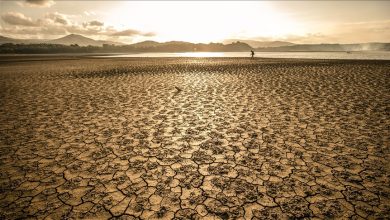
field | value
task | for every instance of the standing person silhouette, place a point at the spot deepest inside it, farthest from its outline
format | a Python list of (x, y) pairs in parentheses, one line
[(252, 54)]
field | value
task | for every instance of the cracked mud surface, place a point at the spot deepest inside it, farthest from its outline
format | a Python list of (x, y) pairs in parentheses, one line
[(262, 139)]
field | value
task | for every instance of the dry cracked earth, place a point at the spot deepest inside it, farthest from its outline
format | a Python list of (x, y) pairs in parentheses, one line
[(237, 139)]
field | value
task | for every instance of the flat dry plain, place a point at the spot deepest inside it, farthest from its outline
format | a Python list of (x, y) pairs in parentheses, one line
[(263, 138)]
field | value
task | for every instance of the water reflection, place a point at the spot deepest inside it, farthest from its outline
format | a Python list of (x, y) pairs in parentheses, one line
[(372, 55)]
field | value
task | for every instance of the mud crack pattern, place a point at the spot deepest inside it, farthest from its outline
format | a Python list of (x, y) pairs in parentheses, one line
[(237, 138)]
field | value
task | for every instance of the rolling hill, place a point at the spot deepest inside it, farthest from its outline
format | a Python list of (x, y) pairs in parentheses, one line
[(60, 44), (67, 40), (262, 44)]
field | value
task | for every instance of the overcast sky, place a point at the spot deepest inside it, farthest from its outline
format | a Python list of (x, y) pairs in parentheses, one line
[(199, 21)]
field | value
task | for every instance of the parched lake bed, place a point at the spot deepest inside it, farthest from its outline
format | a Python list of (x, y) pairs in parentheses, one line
[(194, 138)]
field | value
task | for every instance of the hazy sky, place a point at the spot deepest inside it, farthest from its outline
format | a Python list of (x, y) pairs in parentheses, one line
[(199, 21)]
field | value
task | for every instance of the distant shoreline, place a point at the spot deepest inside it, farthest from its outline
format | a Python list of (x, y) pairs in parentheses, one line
[(369, 55), (5, 60)]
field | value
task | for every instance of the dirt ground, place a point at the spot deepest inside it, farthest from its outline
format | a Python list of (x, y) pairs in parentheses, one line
[(194, 138)]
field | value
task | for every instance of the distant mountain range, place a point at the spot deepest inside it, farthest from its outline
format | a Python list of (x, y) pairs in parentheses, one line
[(257, 44), (329, 47), (67, 40), (85, 41), (75, 43)]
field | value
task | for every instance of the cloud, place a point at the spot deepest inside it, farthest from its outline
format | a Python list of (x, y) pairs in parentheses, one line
[(128, 32), (364, 31), (57, 18), (15, 18), (38, 3), (131, 32), (78, 29), (371, 26), (308, 38), (89, 13), (93, 24), (357, 32), (149, 34), (55, 24)]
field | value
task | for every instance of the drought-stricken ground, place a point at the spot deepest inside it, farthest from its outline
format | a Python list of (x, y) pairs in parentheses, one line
[(238, 138)]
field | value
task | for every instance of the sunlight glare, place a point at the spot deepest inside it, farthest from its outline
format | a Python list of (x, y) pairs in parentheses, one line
[(203, 21)]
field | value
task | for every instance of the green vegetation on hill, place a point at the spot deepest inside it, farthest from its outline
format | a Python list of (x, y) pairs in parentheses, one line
[(179, 46), (108, 48)]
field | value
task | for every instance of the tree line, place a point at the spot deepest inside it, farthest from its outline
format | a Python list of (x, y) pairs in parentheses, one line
[(10, 48)]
